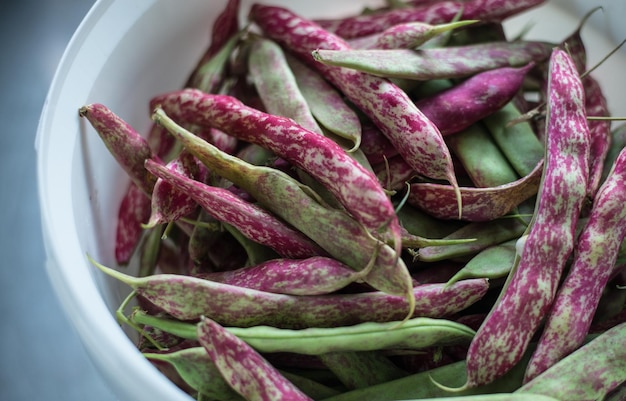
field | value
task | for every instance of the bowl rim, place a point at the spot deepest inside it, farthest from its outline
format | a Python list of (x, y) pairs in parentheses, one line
[(125, 370)]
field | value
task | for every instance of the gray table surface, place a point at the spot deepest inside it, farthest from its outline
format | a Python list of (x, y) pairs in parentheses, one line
[(41, 356)]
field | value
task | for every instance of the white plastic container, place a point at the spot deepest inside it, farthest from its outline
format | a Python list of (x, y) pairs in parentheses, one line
[(123, 53)]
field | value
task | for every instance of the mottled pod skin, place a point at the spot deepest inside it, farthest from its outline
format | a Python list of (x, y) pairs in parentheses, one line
[(130, 150), (189, 298), (479, 204), (251, 220), (243, 368), (435, 63), (530, 289), (134, 211), (597, 249), (126, 145), (169, 204), (409, 35), (309, 276), (589, 373), (342, 236), (352, 184), (436, 13), (415, 137)]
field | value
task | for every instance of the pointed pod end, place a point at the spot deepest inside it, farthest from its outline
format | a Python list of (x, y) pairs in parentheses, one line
[(82, 112), (449, 389)]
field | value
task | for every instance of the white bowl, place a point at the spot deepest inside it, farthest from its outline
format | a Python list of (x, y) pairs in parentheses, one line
[(122, 54)]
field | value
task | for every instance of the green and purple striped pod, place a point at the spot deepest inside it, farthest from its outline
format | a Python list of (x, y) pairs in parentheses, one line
[(169, 204), (243, 368), (188, 298), (590, 373), (436, 13), (596, 106), (251, 220), (415, 137), (618, 143), (375, 145), (125, 144), (134, 211), (600, 131), (578, 296), (409, 35), (314, 275), (479, 204), (355, 187), (434, 63), (530, 288), (342, 236)]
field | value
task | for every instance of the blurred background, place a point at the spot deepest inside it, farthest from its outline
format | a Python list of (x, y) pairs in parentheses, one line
[(40, 355)]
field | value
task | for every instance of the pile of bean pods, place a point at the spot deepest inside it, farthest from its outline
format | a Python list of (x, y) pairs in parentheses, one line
[(401, 204)]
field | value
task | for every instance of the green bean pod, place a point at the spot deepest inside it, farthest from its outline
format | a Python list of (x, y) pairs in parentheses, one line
[(482, 159), (492, 262), (518, 142)]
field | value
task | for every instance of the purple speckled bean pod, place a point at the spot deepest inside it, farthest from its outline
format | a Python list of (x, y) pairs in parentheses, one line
[(530, 289), (600, 131), (134, 211), (595, 104), (415, 137), (375, 144), (311, 276), (407, 35), (251, 220), (480, 95), (160, 141), (338, 233), (169, 204), (221, 140), (436, 13), (578, 296), (125, 144), (589, 373), (435, 63), (355, 187), (479, 204), (188, 298), (243, 368)]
